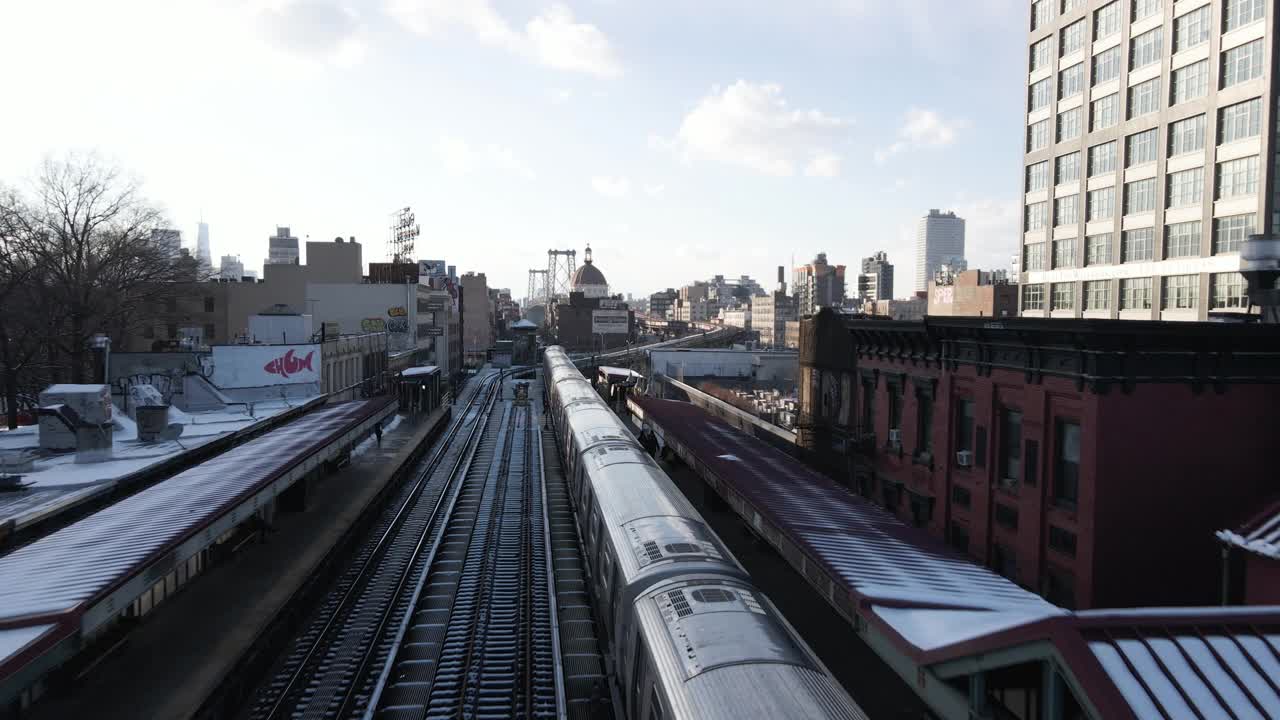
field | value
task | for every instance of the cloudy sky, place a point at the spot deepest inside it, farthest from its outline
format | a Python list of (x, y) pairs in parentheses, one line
[(680, 139)]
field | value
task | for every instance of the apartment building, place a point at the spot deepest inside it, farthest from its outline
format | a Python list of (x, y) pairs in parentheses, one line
[(1147, 160)]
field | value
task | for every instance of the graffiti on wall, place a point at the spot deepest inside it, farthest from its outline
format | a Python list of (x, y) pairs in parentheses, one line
[(398, 325), (373, 325), (166, 384), (396, 312)]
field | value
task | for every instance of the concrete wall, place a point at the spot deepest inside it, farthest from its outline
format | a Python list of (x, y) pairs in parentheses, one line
[(368, 308)]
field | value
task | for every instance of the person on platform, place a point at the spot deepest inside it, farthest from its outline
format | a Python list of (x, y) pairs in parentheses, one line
[(648, 440)]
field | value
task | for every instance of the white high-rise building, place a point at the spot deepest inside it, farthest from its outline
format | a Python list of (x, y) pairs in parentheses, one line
[(939, 240), (231, 268), (203, 253), (1151, 133)]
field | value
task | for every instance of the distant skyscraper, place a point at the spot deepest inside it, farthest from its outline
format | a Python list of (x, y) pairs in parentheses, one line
[(282, 248), (169, 239), (875, 282), (939, 239), (231, 269), (817, 285), (203, 253)]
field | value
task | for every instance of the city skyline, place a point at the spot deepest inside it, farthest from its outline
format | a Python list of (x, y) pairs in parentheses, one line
[(655, 134)]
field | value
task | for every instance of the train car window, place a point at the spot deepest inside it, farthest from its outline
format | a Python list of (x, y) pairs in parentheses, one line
[(637, 676), (655, 705)]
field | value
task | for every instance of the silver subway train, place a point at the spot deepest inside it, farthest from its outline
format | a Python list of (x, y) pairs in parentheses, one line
[(689, 635)]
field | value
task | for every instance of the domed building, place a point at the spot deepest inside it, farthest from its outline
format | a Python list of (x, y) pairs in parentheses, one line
[(590, 318), (588, 279)]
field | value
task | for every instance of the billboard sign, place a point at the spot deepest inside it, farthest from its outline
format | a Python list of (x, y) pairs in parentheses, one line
[(431, 268), (432, 331), (609, 322), (248, 366)]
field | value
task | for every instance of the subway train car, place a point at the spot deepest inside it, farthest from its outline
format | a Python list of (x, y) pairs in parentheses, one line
[(689, 635)]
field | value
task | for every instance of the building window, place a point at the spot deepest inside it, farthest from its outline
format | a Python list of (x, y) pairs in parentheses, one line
[(1180, 292), (1191, 82), (1070, 82), (1098, 249), (868, 407), (1191, 29), (1240, 121), (1064, 252), (1104, 112), (1228, 291), (1030, 459), (171, 304), (208, 303), (1069, 124), (1004, 561), (1039, 135), (1101, 204), (1186, 187), (1186, 136), (964, 425), (1135, 294), (961, 497), (1041, 13), (1033, 297), (1144, 98), (1145, 8), (1182, 239), (1238, 13), (172, 331), (149, 332), (1140, 148), (1041, 94), (895, 407), (1010, 447), (1242, 64), (1006, 517), (1063, 541), (1042, 54), (1033, 257), (1097, 294), (1067, 168), (959, 537), (1038, 176), (1102, 159), (1073, 37), (1140, 196), (1063, 296), (1137, 245), (1060, 588), (209, 332), (1066, 210), (1069, 5), (1145, 49), (1238, 177), (1106, 65), (1066, 476), (924, 425), (1106, 20), (1229, 233), (1036, 215)]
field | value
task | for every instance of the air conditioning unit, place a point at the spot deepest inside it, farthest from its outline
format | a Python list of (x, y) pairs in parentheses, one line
[(964, 458), (895, 438)]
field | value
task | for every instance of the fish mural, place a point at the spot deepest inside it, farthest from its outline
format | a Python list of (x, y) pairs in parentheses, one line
[(288, 364)]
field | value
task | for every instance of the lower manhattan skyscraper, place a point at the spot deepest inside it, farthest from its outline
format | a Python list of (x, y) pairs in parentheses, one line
[(939, 241)]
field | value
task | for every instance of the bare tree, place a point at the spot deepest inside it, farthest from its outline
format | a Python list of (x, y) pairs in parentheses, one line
[(85, 255)]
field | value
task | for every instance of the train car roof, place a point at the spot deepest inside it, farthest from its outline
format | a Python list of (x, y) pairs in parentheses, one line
[(718, 642)]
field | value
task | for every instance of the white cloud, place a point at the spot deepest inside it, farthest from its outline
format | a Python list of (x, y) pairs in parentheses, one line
[(656, 190), (315, 30), (752, 126), (921, 129), (553, 39), (992, 231), (612, 187), (460, 157)]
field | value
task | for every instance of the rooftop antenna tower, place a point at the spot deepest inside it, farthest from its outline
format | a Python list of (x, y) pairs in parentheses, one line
[(404, 232)]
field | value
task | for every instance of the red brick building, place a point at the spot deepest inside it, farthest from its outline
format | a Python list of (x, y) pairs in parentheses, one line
[(1090, 461)]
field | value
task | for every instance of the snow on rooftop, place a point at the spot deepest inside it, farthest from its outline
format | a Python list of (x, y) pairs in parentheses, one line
[(933, 628), (420, 370), (1260, 536), (72, 388)]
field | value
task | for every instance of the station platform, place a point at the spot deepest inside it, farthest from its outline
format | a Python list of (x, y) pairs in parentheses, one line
[(964, 637), (170, 665), (61, 591)]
